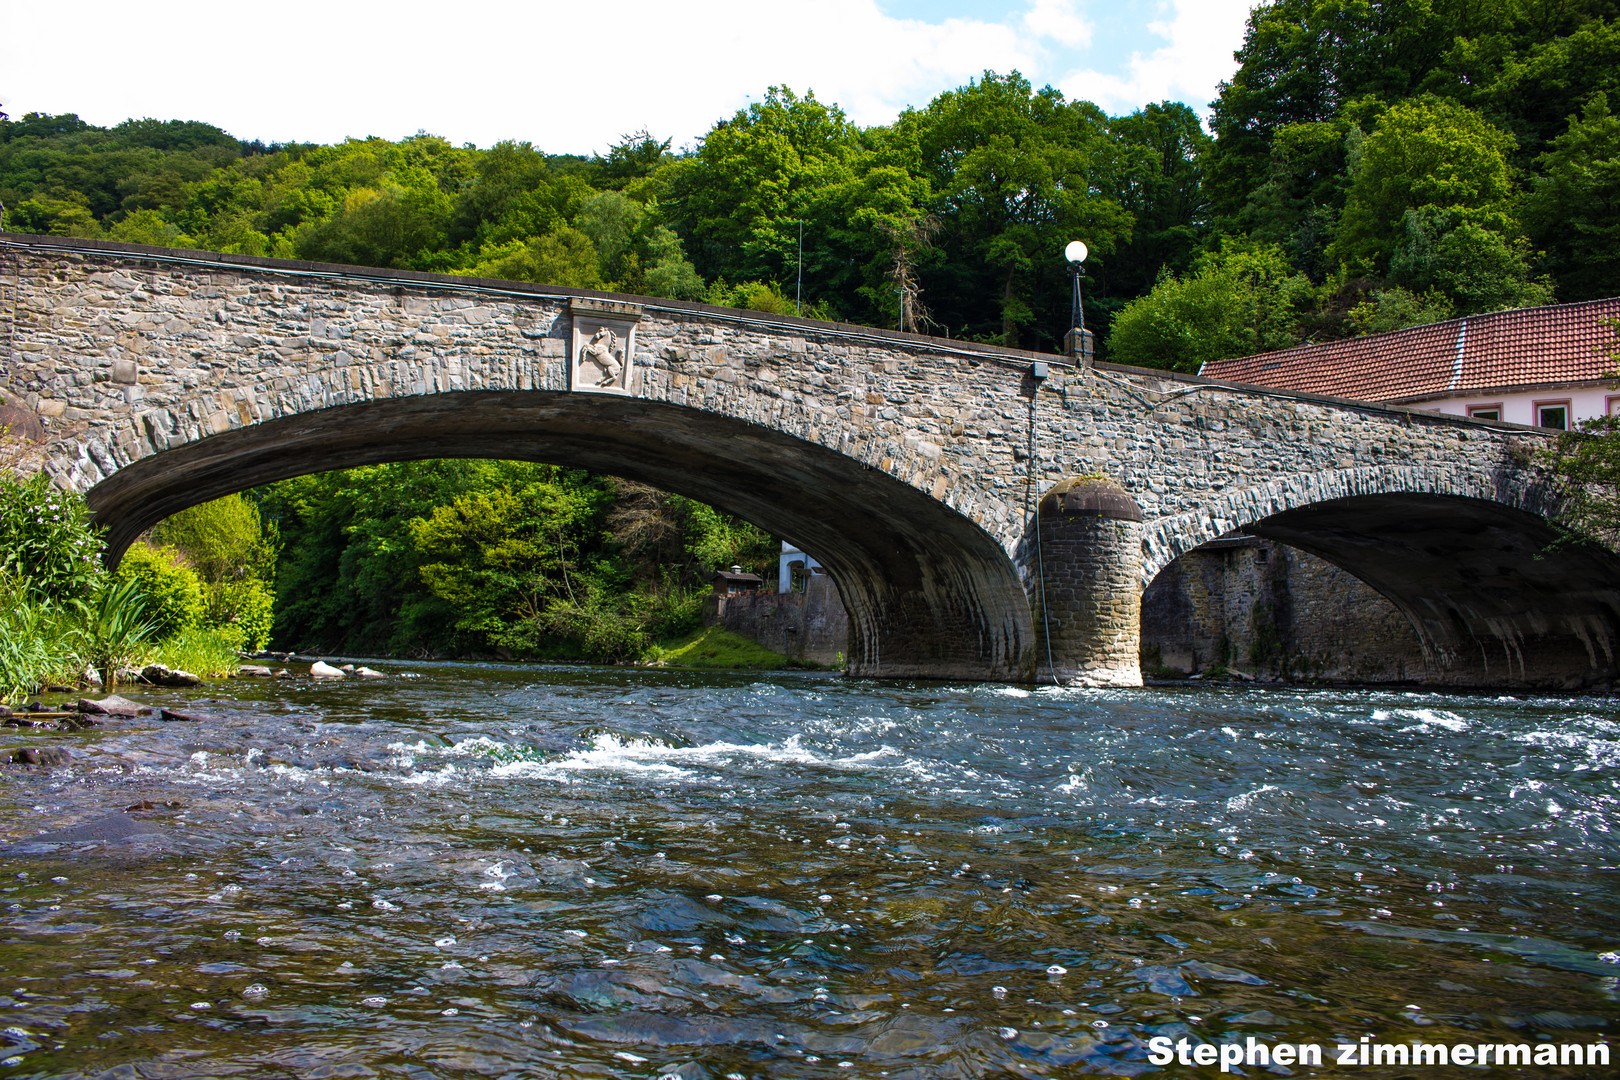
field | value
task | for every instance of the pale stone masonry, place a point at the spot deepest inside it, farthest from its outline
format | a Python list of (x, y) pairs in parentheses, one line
[(910, 466)]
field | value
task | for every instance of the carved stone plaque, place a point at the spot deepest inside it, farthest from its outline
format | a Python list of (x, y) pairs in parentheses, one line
[(603, 357)]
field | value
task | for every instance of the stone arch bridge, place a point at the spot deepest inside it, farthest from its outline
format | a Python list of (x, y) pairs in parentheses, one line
[(986, 513)]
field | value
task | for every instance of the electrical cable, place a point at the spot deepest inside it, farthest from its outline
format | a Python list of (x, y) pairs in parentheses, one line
[(1040, 560)]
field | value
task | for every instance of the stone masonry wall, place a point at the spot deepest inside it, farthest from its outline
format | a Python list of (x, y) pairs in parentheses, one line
[(810, 625), (1089, 608), (1272, 610), (123, 354)]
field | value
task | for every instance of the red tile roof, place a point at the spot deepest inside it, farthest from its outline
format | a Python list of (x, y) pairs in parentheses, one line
[(1559, 344)]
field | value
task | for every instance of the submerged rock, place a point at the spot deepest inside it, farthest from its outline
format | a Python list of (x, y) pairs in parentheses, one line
[(322, 670), (111, 828), (42, 755), (254, 671), (188, 717), (114, 705), (367, 673)]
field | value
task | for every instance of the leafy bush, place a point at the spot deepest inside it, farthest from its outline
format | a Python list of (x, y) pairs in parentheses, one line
[(244, 611), (173, 591), (47, 543)]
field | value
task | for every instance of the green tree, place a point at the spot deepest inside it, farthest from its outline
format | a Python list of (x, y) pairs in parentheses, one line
[(233, 552), (634, 157), (1014, 172), (612, 221), (1302, 61), (1396, 308), (1476, 268), (348, 577), (1425, 153), (565, 257), (501, 556), (887, 210), (668, 272), (1241, 300), (738, 202), (1158, 180), (388, 226), (149, 227), (1574, 205), (1299, 203)]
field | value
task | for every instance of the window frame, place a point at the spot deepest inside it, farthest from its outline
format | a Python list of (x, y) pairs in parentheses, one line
[(1497, 407), (1552, 403)]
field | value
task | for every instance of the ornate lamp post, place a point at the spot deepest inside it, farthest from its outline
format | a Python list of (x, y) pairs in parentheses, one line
[(1077, 341)]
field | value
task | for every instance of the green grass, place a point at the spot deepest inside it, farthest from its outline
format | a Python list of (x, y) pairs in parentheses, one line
[(716, 647), (206, 653)]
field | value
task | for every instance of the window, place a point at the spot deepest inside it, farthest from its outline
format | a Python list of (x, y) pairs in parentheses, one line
[(1493, 411), (1612, 405), (1553, 414)]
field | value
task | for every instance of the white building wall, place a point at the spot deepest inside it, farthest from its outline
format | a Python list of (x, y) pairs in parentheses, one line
[(784, 566), (1585, 403)]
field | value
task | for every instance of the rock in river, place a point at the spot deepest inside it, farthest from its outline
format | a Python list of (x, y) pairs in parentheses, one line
[(113, 706), (160, 675), (322, 670), (110, 828), (189, 717), (42, 755)]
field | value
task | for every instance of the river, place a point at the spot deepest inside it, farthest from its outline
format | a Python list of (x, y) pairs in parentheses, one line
[(509, 871)]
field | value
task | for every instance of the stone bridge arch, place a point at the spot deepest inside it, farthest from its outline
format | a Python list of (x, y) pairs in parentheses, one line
[(1464, 552), (929, 593)]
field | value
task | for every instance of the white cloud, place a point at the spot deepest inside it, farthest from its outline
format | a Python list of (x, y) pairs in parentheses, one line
[(1200, 40), (567, 76), (1058, 20)]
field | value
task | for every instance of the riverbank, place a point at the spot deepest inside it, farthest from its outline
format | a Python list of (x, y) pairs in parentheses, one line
[(712, 648)]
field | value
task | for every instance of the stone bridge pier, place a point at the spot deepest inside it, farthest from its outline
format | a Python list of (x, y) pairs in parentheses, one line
[(987, 514)]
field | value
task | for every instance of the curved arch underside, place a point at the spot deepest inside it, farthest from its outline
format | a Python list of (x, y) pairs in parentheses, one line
[(1493, 603), (929, 593)]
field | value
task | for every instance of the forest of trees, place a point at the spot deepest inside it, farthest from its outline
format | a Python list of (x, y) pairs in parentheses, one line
[(1370, 165)]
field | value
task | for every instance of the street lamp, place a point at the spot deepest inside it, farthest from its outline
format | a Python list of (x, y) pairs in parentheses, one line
[(1076, 253)]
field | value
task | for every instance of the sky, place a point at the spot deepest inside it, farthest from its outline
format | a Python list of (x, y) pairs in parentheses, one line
[(576, 76)]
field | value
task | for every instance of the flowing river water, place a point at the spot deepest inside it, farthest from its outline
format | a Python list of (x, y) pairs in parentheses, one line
[(506, 871)]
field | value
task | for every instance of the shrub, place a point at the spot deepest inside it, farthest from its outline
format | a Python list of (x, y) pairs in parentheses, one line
[(174, 592), (115, 628), (244, 608), (47, 544)]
